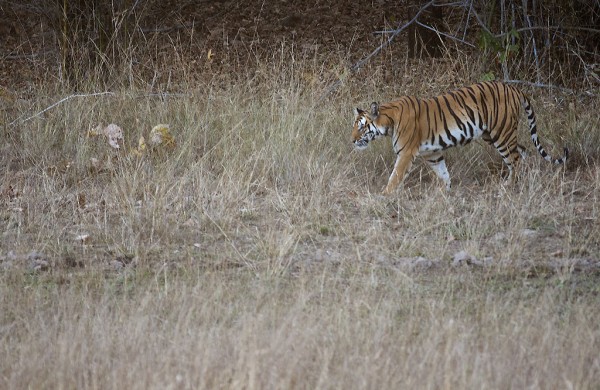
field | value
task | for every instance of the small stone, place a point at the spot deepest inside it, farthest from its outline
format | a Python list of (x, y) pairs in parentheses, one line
[(39, 265), (463, 258), (117, 265), (528, 233), (499, 237), (35, 255), (422, 263), (38, 261)]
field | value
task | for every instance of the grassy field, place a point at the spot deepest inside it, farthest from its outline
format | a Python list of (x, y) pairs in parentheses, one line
[(258, 253)]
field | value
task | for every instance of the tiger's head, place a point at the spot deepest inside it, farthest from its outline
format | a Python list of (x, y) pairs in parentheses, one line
[(367, 127)]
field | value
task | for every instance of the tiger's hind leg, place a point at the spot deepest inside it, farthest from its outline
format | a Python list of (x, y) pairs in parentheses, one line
[(438, 165), (512, 163), (508, 148)]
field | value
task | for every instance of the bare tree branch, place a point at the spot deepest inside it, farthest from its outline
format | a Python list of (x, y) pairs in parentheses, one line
[(571, 28), (481, 24), (385, 44), (434, 30), (550, 86), (60, 102), (161, 95), (354, 68)]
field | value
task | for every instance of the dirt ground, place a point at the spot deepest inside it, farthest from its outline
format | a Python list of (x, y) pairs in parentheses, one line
[(201, 30)]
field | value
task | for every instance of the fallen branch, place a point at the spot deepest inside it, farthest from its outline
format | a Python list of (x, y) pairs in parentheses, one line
[(60, 102), (161, 95)]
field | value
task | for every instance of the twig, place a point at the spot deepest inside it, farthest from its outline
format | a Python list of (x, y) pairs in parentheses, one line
[(572, 28), (467, 20), (161, 95), (229, 240), (535, 53), (60, 102), (360, 63), (540, 85), (164, 95), (455, 4), (167, 29), (432, 29), (481, 24), (28, 56), (550, 86)]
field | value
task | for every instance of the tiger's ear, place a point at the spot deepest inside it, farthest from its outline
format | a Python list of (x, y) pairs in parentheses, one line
[(374, 109), (357, 111)]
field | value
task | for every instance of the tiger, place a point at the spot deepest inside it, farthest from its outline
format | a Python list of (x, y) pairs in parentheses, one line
[(426, 127)]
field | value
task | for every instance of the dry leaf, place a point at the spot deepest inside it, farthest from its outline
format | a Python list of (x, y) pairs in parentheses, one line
[(95, 164), (81, 200), (83, 238), (9, 191), (95, 131), (141, 148), (161, 135), (60, 167)]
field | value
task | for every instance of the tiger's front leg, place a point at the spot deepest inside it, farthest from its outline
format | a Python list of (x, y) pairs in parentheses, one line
[(403, 163)]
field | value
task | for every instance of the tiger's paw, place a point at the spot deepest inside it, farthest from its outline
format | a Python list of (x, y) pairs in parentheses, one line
[(387, 191)]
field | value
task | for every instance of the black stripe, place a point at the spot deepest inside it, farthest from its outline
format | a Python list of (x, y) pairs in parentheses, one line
[(495, 104), (443, 117), (427, 113), (483, 108), (470, 130), (457, 119), (437, 160), (435, 126), (387, 116), (493, 139), (470, 112), (441, 142)]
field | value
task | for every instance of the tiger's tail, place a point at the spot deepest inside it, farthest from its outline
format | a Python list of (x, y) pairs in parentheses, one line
[(534, 136)]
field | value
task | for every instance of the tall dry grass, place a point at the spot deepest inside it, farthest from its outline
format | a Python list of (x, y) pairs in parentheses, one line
[(351, 325), (258, 253)]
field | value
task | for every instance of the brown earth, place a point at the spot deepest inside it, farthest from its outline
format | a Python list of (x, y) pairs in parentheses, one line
[(204, 31)]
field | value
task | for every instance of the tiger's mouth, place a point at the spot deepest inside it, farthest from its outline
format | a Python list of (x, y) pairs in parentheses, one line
[(361, 144)]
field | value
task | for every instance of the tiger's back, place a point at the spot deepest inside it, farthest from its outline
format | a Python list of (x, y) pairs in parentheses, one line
[(426, 127)]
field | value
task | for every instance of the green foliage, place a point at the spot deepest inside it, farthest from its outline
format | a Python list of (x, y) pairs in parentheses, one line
[(503, 47), (489, 76)]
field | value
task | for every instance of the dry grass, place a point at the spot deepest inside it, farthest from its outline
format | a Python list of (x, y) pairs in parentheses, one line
[(258, 253)]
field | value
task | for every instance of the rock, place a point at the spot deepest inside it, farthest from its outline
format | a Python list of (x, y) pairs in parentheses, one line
[(39, 265), (499, 237), (464, 258), (117, 265), (528, 232), (416, 263), (38, 261)]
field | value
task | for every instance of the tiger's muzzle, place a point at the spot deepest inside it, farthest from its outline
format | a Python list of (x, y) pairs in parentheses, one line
[(361, 144)]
